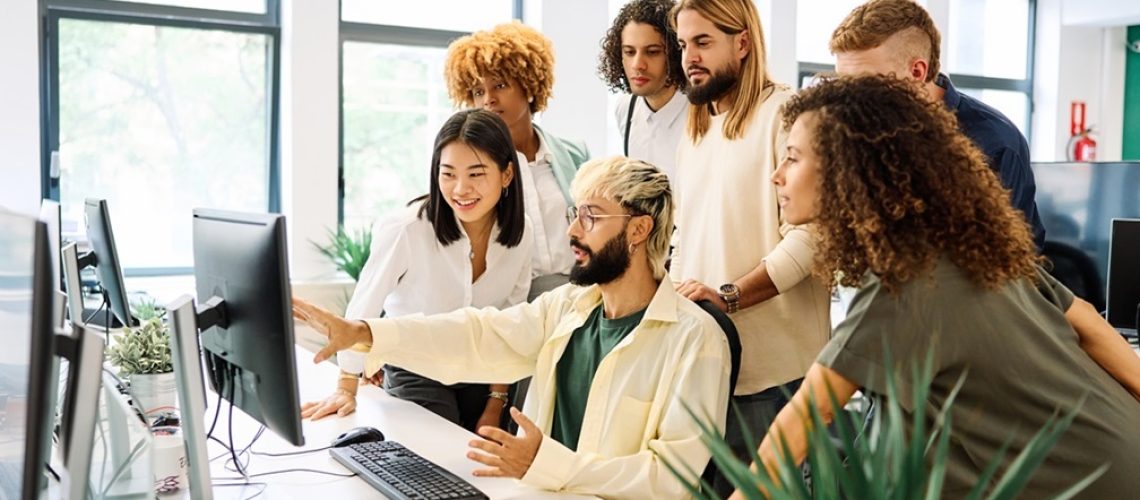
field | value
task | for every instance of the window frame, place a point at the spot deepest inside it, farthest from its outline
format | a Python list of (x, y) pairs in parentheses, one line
[(388, 35), (973, 82), (52, 11)]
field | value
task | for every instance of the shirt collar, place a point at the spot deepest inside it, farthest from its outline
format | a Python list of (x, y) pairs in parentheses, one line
[(950, 96), (663, 306), (672, 109), (543, 154)]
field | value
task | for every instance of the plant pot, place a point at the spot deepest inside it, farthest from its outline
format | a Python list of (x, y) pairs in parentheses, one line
[(154, 391)]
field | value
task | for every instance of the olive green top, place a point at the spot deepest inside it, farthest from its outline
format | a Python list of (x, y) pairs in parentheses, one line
[(1024, 365)]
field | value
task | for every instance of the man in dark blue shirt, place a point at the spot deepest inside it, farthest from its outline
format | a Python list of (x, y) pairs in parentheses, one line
[(899, 37)]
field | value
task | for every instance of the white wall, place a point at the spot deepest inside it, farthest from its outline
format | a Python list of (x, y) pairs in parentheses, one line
[(20, 107), (310, 139), (578, 107), (1101, 12), (1076, 63)]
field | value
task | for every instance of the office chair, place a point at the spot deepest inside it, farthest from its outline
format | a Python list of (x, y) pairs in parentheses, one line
[(733, 337), (1076, 270)]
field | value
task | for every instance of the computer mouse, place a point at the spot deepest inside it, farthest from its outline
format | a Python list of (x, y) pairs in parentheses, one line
[(358, 435)]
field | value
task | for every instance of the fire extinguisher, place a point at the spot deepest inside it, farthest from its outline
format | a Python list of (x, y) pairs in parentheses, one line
[(1082, 146)]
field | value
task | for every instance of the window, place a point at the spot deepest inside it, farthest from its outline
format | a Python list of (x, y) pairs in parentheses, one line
[(988, 51), (394, 98), (982, 40), (394, 103), (160, 116), (251, 6), (447, 15)]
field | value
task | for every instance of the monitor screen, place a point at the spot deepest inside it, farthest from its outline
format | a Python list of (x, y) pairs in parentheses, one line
[(1124, 274), (241, 258), (26, 359), (1077, 202), (102, 239), (50, 215)]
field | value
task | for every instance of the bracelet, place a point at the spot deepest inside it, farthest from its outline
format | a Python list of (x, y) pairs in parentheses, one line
[(349, 376), (501, 396)]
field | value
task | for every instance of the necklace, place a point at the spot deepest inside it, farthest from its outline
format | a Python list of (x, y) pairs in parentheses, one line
[(471, 241)]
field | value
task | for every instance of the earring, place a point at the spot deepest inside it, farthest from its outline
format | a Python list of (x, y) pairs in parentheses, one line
[(530, 99), (632, 248), (506, 194)]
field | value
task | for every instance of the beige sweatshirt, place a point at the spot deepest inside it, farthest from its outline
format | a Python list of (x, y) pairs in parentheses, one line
[(728, 222)]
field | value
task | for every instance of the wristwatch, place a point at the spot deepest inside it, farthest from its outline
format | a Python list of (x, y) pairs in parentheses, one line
[(730, 294), (501, 396)]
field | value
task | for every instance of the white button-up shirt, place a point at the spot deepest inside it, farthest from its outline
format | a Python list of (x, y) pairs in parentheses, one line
[(635, 414), (546, 207), (409, 271), (654, 135)]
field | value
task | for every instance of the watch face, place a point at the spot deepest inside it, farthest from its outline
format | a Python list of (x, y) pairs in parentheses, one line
[(729, 289)]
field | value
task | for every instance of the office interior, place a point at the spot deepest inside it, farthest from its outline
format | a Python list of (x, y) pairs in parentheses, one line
[(325, 112)]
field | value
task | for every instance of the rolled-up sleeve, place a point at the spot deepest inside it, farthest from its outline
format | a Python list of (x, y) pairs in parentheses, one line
[(791, 261)]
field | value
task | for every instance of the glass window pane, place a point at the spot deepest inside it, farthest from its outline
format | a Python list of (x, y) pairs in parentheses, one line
[(815, 21), (452, 15), (159, 121), (1014, 105), (394, 104), (251, 6), (988, 38)]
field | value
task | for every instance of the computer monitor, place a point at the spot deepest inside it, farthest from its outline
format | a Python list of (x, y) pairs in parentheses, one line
[(50, 215), (1124, 275), (26, 359), (244, 321), (98, 220)]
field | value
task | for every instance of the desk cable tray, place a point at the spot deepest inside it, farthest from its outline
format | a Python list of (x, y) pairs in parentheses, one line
[(400, 473)]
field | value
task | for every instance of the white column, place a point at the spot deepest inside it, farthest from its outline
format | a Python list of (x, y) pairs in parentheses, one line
[(310, 101), (778, 17), (1109, 131), (1046, 78), (578, 108), (20, 102)]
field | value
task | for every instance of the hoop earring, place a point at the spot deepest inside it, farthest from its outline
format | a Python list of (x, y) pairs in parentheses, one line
[(632, 248)]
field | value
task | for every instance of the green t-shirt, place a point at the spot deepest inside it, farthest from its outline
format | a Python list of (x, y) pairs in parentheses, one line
[(589, 344), (1023, 363)]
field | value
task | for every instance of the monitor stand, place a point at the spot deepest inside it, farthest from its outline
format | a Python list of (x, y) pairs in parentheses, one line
[(186, 320)]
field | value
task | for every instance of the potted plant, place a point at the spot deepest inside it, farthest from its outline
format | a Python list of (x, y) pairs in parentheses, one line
[(348, 252), (883, 461), (142, 356)]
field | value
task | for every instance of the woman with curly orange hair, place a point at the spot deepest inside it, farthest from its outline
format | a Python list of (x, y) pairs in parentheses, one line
[(910, 214), (509, 70)]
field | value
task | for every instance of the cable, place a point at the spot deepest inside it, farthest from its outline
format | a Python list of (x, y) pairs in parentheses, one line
[(230, 426), (289, 453), (284, 471), (255, 495), (96, 311)]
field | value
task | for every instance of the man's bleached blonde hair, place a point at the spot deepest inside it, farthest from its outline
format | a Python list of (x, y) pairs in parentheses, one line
[(640, 188)]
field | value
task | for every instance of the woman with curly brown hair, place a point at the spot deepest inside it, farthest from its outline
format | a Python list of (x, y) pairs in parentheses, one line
[(910, 214), (509, 70)]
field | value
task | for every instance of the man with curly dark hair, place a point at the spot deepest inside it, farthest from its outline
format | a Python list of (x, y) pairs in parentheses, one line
[(640, 57), (899, 37), (909, 212)]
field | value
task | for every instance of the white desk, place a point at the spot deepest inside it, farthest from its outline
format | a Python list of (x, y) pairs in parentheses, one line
[(407, 423)]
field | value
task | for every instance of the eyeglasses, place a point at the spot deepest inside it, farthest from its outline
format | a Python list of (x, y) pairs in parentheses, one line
[(586, 217)]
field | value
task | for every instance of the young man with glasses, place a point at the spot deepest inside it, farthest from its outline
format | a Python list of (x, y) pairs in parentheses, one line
[(618, 356)]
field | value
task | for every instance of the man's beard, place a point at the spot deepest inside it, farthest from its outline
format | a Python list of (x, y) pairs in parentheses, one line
[(604, 266), (718, 84)]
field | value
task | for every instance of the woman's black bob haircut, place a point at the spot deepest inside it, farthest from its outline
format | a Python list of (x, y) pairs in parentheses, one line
[(487, 133)]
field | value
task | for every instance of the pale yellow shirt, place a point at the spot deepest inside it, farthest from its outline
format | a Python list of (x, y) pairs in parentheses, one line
[(635, 414), (728, 222)]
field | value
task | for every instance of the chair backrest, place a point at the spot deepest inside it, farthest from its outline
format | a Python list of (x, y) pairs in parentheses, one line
[(1077, 271), (730, 333)]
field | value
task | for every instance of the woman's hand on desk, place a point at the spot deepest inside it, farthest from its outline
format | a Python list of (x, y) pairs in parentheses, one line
[(341, 333), (341, 403), (507, 455)]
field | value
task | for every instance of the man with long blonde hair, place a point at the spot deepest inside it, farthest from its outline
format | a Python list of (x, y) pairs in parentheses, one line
[(733, 247)]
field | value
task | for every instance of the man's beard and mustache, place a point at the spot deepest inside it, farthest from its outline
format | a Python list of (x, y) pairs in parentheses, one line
[(719, 83), (603, 266)]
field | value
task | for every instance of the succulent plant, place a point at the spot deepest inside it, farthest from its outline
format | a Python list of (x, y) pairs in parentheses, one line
[(142, 350)]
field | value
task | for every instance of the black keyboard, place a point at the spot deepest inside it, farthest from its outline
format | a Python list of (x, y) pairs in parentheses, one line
[(400, 473)]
